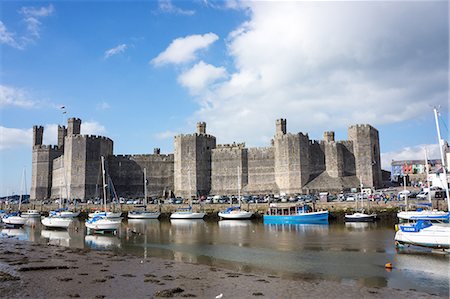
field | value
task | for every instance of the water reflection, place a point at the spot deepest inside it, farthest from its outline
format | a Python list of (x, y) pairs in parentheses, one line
[(100, 242), (19, 233), (234, 223), (57, 237)]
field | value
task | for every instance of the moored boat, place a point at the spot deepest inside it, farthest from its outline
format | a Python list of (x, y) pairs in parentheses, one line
[(187, 213), (13, 219), (31, 214), (143, 215), (103, 224), (55, 221), (105, 214), (424, 234), (235, 213), (360, 217), (294, 214)]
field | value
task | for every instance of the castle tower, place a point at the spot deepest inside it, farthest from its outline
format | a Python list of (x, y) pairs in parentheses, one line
[(366, 149), (291, 159), (192, 162), (328, 136), (38, 134), (62, 133), (42, 165), (334, 156), (74, 126)]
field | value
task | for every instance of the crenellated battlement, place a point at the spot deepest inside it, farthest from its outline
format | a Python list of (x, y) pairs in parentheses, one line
[(194, 135), (149, 157), (46, 147), (233, 145), (91, 137), (362, 127)]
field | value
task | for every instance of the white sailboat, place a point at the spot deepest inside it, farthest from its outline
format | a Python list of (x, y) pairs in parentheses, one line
[(360, 216), (100, 222), (14, 219), (144, 214), (424, 233), (64, 212), (187, 213), (235, 212), (424, 214)]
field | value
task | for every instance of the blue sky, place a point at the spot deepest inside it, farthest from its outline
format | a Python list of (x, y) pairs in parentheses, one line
[(141, 72)]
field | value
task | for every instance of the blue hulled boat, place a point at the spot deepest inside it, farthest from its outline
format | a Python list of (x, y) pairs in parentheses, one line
[(294, 214)]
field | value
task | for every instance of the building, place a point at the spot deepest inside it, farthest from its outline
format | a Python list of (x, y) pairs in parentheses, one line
[(292, 164)]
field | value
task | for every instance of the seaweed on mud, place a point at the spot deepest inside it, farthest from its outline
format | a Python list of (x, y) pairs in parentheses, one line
[(258, 294), (24, 269), (169, 292), (7, 277), (128, 275)]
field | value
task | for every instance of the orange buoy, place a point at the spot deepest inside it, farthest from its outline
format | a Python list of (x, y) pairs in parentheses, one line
[(388, 266)]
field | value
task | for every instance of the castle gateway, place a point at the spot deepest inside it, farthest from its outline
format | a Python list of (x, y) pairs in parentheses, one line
[(292, 164)]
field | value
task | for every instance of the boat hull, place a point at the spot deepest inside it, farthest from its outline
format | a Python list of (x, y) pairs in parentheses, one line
[(108, 214), (104, 224), (423, 215), (56, 222), (14, 220), (187, 215), (313, 217), (236, 215), (360, 217), (31, 214), (143, 215), (435, 236)]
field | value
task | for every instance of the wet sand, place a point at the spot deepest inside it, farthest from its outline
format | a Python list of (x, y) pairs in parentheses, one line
[(46, 271)]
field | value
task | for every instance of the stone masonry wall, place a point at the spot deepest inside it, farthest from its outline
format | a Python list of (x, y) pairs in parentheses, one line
[(41, 174), (228, 169), (261, 171)]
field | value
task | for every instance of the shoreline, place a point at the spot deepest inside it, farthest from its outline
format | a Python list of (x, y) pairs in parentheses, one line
[(48, 271)]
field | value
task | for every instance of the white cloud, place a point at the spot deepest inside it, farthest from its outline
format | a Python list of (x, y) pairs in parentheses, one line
[(184, 49), (103, 106), (31, 18), (410, 153), (200, 76), (114, 51), (166, 134), (326, 65), (92, 128), (15, 138), (11, 96), (168, 7)]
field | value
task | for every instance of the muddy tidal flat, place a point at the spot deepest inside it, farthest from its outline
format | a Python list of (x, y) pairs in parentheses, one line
[(47, 271)]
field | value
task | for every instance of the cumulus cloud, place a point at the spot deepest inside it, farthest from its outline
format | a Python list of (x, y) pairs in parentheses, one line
[(11, 96), (31, 16), (114, 51), (201, 75), (184, 49), (92, 128), (14, 138), (167, 6), (325, 65), (410, 153)]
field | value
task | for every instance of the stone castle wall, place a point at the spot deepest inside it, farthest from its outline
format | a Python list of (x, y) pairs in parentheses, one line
[(229, 168)]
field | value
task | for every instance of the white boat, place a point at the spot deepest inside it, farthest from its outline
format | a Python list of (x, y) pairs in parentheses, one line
[(101, 223), (55, 221), (360, 217), (186, 213), (423, 215), (108, 215), (13, 219), (424, 234), (68, 214), (2, 213), (31, 214), (144, 214), (236, 212)]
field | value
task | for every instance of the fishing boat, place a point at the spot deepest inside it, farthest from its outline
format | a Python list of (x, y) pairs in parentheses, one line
[(100, 222), (235, 212), (144, 214), (360, 216), (187, 213), (293, 214), (56, 221), (31, 214)]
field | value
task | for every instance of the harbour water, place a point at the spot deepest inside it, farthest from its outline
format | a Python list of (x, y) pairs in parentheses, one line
[(353, 254)]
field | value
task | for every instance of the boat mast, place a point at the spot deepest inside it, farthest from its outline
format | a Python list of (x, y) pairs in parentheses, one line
[(104, 183), (145, 188), (190, 187), (440, 142), (21, 189), (406, 194), (428, 173), (239, 186)]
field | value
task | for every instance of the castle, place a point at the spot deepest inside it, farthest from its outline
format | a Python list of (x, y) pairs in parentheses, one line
[(292, 164)]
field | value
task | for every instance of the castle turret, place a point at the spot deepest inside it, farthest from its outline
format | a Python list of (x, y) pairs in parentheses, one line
[(328, 136), (366, 148), (157, 151), (280, 127), (74, 126), (62, 133), (201, 128), (38, 133)]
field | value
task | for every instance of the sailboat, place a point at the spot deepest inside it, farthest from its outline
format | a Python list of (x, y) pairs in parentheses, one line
[(360, 216), (14, 219), (187, 213), (109, 214), (64, 212), (144, 214), (424, 233), (235, 212), (424, 211), (100, 222)]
